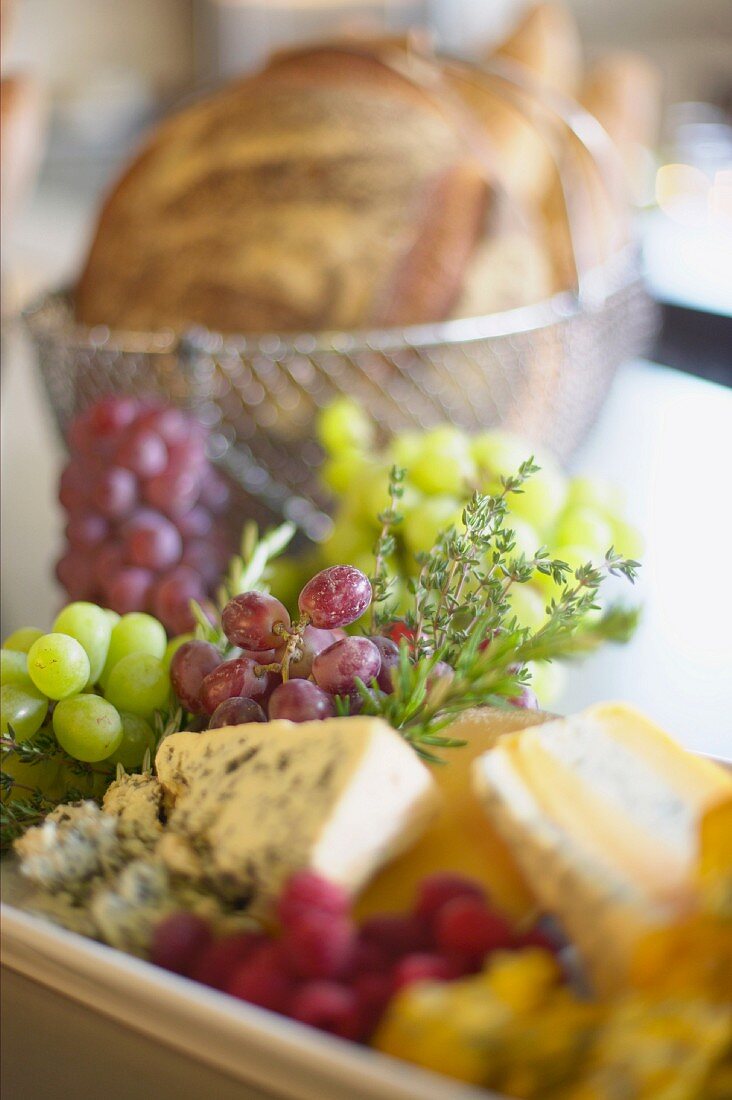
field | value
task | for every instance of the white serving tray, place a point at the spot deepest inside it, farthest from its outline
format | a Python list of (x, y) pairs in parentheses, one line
[(258, 1049)]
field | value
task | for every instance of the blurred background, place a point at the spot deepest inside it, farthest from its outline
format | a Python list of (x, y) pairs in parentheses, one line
[(84, 79), (106, 70)]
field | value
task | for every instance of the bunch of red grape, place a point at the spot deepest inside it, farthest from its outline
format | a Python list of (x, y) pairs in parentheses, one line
[(281, 669), (326, 971), (146, 529), (277, 668)]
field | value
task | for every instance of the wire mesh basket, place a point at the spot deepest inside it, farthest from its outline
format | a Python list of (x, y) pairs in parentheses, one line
[(541, 370)]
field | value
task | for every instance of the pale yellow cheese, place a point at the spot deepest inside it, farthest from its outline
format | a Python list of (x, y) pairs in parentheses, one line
[(602, 812)]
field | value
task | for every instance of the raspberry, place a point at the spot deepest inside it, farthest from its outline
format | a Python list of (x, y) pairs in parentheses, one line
[(307, 890), (370, 957), (319, 945), (178, 940), (328, 1006), (437, 890), (467, 925), (425, 968), (216, 962), (397, 935), (374, 991), (263, 979)]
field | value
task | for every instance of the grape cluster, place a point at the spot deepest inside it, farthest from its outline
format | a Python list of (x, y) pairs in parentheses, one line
[(145, 508), (578, 519), (274, 668), (95, 681), (326, 971)]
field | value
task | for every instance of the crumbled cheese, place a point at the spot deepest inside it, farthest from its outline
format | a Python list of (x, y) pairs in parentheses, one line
[(136, 801), (75, 845)]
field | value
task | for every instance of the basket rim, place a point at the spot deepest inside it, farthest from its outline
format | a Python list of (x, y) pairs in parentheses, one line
[(619, 272)]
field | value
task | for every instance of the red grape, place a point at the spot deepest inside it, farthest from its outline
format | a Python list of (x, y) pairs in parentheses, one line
[(128, 590), (236, 711), (87, 529), (312, 642), (171, 597), (75, 571), (143, 452), (389, 653), (200, 556), (235, 677), (169, 423), (336, 668), (194, 524), (300, 701), (115, 492), (173, 493), (336, 596), (249, 620), (215, 493), (108, 560), (191, 663), (151, 541)]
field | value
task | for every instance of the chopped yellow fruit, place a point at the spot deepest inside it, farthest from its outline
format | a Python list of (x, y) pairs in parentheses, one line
[(459, 839)]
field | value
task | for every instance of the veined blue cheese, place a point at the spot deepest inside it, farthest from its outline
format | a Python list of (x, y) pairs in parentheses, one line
[(254, 803)]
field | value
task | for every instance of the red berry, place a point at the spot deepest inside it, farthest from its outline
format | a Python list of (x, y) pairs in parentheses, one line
[(370, 957), (397, 935), (466, 924), (319, 945), (215, 963), (178, 940), (328, 1006), (306, 891), (374, 991), (263, 979), (436, 890), (425, 968)]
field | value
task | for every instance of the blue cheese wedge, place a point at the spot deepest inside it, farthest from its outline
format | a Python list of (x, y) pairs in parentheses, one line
[(602, 812), (250, 804)]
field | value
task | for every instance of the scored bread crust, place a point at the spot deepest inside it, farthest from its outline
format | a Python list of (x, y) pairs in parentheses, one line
[(328, 191)]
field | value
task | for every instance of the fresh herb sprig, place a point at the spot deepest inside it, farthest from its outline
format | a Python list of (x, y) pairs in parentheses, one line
[(460, 615)]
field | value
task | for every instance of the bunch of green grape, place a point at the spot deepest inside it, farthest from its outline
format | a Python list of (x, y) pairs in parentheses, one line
[(578, 519), (96, 681)]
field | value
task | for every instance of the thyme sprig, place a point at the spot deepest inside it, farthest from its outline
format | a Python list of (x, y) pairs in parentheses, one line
[(461, 615)]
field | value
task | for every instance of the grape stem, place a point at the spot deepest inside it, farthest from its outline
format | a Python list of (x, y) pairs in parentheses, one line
[(293, 649)]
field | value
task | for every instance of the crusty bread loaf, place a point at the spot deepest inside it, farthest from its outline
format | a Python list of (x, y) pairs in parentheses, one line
[(327, 191), (545, 46), (344, 186)]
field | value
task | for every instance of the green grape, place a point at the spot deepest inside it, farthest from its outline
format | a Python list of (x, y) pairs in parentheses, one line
[(22, 709), (113, 617), (499, 454), (137, 738), (343, 426), (87, 727), (58, 665), (541, 498), (423, 524), (173, 646), (527, 605), (91, 626), (574, 557), (134, 633), (14, 668), (586, 492), (343, 470), (404, 449), (138, 683), (348, 538), (584, 527), (22, 639), (443, 463), (548, 679), (626, 539)]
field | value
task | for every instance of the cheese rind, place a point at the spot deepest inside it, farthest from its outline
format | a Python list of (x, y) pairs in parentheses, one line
[(602, 811), (254, 803)]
